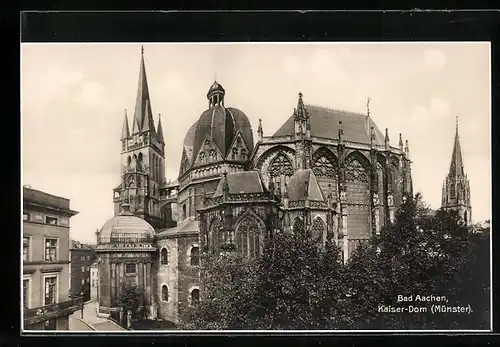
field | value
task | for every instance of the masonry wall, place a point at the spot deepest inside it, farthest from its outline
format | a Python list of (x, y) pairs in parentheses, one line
[(168, 275), (189, 275)]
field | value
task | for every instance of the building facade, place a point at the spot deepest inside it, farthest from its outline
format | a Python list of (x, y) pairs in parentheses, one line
[(82, 257), (456, 189), (46, 303), (94, 281), (330, 173)]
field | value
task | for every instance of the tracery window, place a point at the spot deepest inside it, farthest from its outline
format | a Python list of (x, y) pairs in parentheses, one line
[(298, 225), (247, 237), (243, 153), (203, 156), (213, 236), (213, 155), (318, 228), (355, 171), (281, 165), (234, 153), (324, 166)]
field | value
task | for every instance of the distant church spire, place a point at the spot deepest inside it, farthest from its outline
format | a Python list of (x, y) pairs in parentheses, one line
[(143, 116), (125, 130), (456, 192), (159, 132)]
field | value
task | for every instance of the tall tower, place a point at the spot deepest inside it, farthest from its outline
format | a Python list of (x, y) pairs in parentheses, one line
[(456, 190), (142, 158)]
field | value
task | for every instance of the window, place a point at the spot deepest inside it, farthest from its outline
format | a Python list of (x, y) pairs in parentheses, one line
[(184, 211), (50, 249), (83, 281), (164, 293), (51, 324), (164, 256), (50, 290), (50, 220), (93, 283), (26, 248), (26, 293), (82, 258), (26, 216), (130, 268), (195, 256), (195, 296), (83, 268)]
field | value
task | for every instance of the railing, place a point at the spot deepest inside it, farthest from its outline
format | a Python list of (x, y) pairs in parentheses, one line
[(34, 315)]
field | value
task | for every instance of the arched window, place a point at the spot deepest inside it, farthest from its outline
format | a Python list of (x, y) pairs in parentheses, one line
[(203, 156), (298, 225), (281, 169), (213, 236), (139, 161), (243, 153), (195, 256), (248, 237), (213, 155), (356, 172), (164, 256), (318, 228), (324, 165), (195, 296), (164, 293)]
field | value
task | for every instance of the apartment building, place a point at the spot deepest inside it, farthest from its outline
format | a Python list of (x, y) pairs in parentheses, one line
[(45, 302), (82, 257)]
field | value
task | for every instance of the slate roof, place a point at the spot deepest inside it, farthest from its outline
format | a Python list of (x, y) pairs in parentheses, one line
[(457, 164), (244, 182), (303, 185), (325, 123), (186, 226)]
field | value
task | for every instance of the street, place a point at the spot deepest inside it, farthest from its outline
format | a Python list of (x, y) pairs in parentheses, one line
[(90, 320)]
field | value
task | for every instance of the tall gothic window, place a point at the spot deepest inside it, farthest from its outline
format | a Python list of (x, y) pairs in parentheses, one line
[(213, 236), (318, 229), (298, 225), (356, 172), (281, 170), (247, 237), (203, 157), (213, 155), (452, 190), (324, 166)]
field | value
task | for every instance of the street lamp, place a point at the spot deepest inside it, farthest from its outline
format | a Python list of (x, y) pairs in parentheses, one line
[(82, 304)]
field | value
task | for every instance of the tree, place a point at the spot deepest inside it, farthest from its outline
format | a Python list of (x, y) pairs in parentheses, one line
[(130, 297), (293, 285), (228, 284), (420, 254)]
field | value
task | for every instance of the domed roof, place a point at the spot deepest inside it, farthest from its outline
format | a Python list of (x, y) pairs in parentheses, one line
[(215, 87), (126, 230), (325, 123)]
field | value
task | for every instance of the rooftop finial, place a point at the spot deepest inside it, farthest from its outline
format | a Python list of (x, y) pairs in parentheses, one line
[(456, 123), (142, 50), (368, 99)]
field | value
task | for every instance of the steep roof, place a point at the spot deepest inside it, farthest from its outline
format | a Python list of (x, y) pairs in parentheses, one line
[(325, 123), (186, 226), (244, 182), (303, 185), (143, 116), (456, 165)]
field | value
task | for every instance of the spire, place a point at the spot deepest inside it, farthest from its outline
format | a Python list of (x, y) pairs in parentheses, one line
[(142, 105), (159, 133), (400, 142), (300, 111), (456, 166), (341, 132), (148, 124), (125, 130), (386, 140)]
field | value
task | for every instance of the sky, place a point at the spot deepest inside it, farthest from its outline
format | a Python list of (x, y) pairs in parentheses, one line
[(73, 99)]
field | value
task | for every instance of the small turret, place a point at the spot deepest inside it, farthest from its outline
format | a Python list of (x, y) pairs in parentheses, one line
[(387, 140), (407, 150), (159, 132), (260, 132), (125, 129), (400, 142)]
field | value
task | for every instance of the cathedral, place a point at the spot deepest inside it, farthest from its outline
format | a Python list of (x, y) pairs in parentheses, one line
[(330, 173)]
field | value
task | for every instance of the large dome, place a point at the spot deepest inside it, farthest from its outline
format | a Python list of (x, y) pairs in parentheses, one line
[(219, 124), (126, 231)]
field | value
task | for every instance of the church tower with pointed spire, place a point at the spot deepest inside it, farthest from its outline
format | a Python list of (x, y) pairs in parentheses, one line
[(142, 157), (456, 189)]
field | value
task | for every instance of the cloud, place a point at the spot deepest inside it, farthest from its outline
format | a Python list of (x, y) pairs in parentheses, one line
[(46, 84), (420, 113), (434, 58), (440, 108)]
